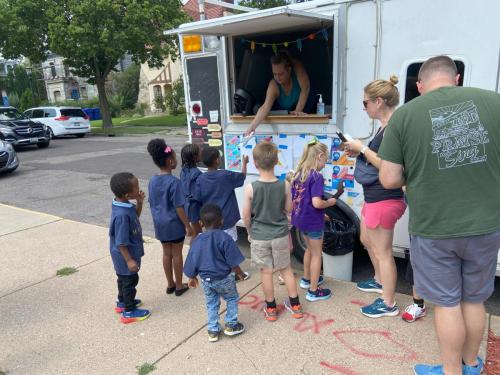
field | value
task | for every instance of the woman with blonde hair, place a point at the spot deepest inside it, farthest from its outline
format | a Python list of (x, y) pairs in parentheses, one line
[(382, 207), (308, 212)]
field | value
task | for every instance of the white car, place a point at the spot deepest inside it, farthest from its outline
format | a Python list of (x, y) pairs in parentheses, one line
[(61, 120)]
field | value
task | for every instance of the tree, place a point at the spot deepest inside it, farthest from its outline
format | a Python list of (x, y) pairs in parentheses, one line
[(127, 85), (26, 100), (262, 4), (175, 99), (92, 35)]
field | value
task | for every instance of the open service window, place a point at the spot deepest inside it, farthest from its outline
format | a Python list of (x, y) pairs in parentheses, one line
[(255, 36)]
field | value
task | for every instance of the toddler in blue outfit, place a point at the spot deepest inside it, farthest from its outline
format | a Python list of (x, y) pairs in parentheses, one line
[(166, 199), (214, 256), (126, 244), (217, 186), (190, 156)]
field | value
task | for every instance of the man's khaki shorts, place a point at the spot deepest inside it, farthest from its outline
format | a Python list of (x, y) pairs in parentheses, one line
[(274, 254)]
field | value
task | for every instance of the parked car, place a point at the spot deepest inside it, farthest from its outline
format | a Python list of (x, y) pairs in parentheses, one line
[(8, 158), (61, 120), (18, 130)]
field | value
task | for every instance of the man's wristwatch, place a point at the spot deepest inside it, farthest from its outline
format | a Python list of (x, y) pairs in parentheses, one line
[(363, 149)]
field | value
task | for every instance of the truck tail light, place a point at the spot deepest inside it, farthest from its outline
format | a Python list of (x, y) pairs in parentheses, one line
[(192, 43)]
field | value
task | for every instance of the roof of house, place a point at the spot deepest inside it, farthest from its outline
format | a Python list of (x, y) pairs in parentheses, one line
[(211, 11)]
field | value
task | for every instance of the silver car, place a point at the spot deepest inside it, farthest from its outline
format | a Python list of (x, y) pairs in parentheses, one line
[(8, 157)]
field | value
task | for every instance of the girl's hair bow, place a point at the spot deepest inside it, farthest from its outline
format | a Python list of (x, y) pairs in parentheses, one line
[(168, 150)]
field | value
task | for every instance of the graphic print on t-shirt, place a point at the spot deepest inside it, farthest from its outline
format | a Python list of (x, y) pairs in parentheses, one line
[(459, 137)]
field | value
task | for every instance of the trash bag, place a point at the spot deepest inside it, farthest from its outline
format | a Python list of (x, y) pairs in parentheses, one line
[(339, 237)]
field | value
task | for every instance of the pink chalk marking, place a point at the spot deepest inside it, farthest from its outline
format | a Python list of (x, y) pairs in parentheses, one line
[(358, 302), (309, 321), (410, 354), (338, 368), (252, 297)]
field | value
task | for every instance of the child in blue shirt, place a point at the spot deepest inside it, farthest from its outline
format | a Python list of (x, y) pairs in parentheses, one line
[(217, 186), (214, 256), (190, 156), (166, 199), (126, 244)]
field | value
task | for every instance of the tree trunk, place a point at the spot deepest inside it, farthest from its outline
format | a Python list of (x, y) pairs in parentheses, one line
[(103, 104)]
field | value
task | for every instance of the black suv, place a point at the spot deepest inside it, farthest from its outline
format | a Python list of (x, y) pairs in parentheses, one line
[(18, 130)]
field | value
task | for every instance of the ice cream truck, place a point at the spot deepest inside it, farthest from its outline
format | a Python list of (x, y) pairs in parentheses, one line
[(343, 45)]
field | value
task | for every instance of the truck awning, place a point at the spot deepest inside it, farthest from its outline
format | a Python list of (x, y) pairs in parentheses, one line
[(254, 23)]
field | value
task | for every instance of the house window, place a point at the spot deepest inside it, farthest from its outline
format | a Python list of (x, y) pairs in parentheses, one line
[(411, 91), (83, 92), (157, 91), (53, 72), (2, 69), (66, 71), (57, 96)]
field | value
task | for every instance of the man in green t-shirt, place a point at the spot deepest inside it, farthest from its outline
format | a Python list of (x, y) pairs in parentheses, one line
[(445, 147)]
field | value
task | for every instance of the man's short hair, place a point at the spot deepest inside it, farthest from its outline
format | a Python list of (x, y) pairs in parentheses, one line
[(121, 184), (210, 215), (442, 65), (265, 155), (209, 156)]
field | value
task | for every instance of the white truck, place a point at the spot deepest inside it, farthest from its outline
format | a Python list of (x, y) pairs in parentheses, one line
[(343, 44)]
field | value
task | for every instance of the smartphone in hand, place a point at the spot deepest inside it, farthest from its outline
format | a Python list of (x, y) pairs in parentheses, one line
[(341, 136)]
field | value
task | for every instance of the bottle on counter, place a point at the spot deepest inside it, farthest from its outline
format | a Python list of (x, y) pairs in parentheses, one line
[(320, 108)]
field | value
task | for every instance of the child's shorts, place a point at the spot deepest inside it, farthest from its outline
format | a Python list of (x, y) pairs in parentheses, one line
[(177, 240), (274, 254), (383, 213)]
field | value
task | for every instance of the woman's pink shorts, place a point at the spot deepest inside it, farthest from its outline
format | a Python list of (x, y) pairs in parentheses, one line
[(384, 213)]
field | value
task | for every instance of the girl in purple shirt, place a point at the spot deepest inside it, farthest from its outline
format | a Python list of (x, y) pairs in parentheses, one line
[(308, 214)]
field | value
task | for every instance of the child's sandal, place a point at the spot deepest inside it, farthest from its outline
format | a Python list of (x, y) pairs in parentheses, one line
[(171, 290), (180, 292)]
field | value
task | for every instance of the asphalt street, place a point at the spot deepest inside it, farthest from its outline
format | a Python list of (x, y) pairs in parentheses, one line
[(70, 179)]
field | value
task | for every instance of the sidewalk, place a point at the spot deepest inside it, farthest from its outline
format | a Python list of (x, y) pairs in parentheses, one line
[(67, 325)]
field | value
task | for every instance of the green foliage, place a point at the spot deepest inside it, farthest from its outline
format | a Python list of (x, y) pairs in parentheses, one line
[(66, 271), (18, 81), (175, 99), (92, 35), (127, 86), (263, 4), (145, 368), (13, 99), (26, 101), (159, 103)]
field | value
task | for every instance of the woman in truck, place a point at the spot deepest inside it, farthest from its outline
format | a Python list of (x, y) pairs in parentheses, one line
[(289, 88), (382, 207)]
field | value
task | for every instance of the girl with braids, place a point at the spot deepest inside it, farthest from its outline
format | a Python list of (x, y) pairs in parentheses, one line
[(308, 214), (171, 224), (191, 156)]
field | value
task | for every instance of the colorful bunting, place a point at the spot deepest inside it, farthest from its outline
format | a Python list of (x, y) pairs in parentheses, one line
[(312, 36)]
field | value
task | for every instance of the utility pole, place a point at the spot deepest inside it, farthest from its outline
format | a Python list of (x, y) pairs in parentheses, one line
[(29, 71)]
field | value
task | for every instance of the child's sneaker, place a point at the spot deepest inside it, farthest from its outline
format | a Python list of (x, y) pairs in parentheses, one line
[(295, 310), (134, 315), (370, 286), (473, 370), (271, 313), (306, 284), (413, 312), (378, 309), (318, 295), (120, 306), (213, 336), (428, 370), (237, 329)]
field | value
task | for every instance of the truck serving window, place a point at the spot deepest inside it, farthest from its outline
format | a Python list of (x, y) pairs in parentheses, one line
[(252, 66), (411, 91)]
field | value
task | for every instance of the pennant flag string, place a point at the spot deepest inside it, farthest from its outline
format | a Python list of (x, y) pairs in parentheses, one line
[(312, 36)]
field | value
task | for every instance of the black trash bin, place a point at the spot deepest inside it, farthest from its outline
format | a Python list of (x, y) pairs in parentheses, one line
[(339, 242)]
